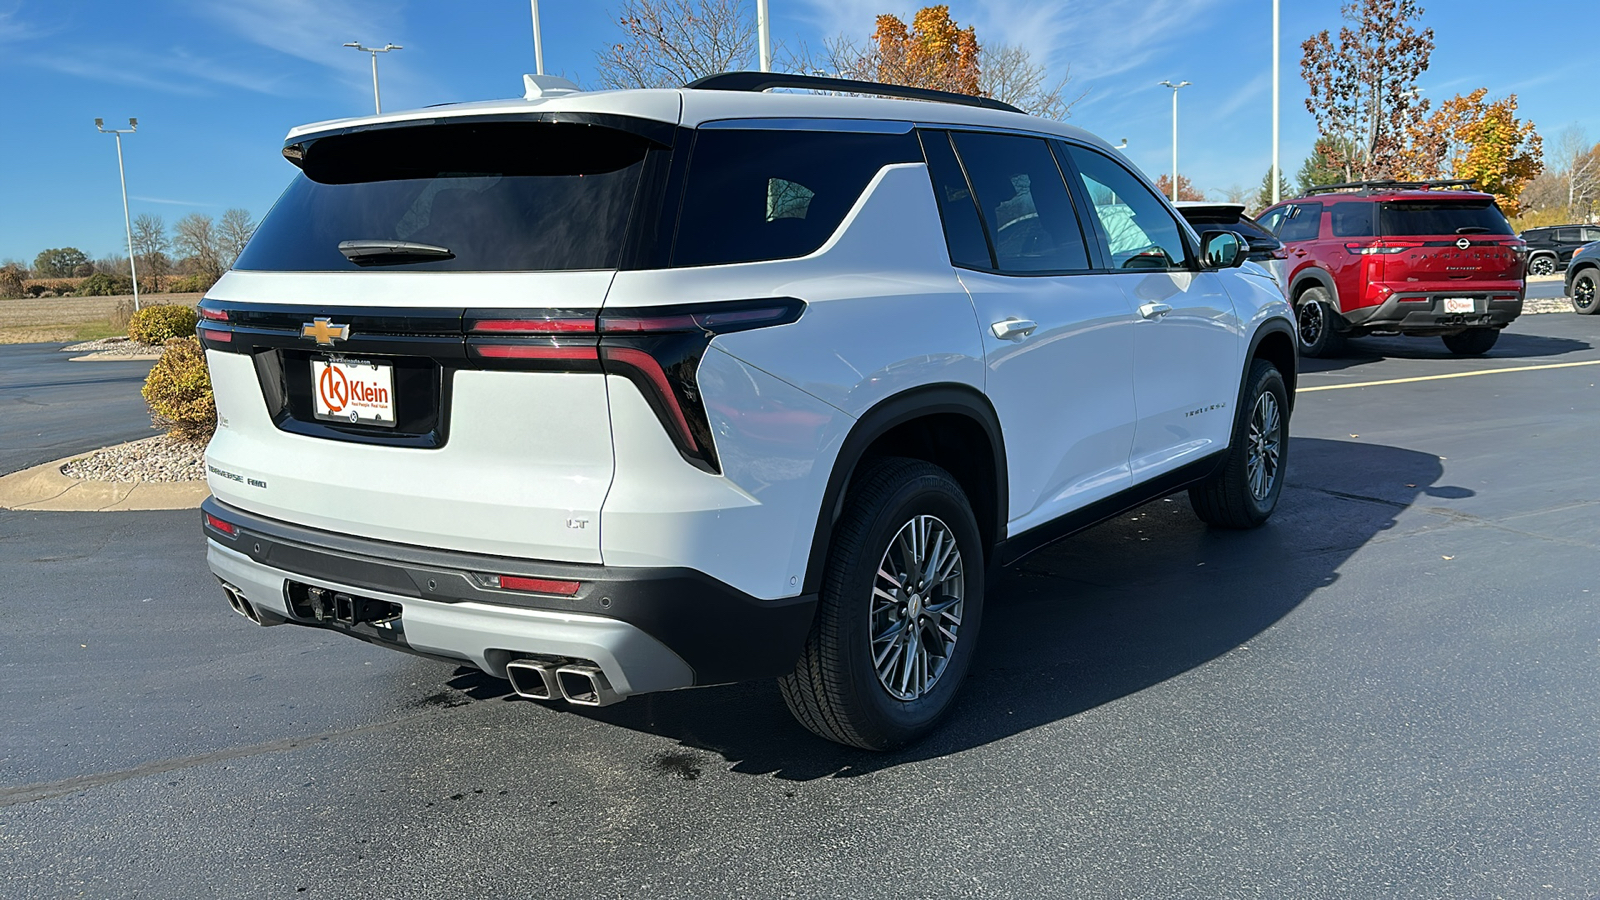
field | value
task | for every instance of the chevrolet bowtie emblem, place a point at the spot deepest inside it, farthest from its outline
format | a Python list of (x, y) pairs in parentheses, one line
[(324, 332)]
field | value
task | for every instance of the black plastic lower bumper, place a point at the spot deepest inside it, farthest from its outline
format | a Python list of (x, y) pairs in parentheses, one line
[(722, 633), (1424, 313)]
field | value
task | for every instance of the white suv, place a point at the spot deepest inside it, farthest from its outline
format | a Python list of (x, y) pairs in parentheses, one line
[(618, 392)]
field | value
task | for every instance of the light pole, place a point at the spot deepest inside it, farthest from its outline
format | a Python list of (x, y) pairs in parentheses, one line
[(1181, 84), (538, 41), (377, 105), (764, 34), (1276, 172), (133, 125)]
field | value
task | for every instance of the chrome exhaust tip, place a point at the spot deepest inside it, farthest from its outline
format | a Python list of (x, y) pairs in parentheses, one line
[(585, 686), (532, 680), (240, 604)]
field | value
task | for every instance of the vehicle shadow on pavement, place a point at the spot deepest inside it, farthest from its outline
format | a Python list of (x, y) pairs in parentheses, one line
[(1511, 345), (1108, 613)]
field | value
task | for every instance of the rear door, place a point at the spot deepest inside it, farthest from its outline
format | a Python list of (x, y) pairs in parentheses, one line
[(1449, 244), (1186, 342), (463, 319), (1058, 338)]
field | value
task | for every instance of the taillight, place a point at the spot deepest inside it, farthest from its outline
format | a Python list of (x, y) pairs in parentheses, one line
[(218, 335), (215, 315), (658, 348), (1382, 248), (227, 528)]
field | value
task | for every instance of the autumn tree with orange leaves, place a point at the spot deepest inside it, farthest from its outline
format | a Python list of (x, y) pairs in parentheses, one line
[(932, 52), (1186, 191), (1469, 137)]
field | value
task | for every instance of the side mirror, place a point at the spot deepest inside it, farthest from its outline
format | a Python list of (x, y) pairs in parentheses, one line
[(1221, 249)]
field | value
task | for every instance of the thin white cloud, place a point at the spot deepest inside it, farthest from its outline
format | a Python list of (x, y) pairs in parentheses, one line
[(167, 202), (174, 71)]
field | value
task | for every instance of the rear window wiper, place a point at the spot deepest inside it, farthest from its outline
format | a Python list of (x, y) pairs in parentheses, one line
[(1472, 229), (392, 253)]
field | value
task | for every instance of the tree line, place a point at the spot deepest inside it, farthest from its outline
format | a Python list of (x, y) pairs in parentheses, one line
[(195, 250)]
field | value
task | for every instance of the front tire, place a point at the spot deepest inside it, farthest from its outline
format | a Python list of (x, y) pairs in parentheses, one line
[(1314, 323), (1472, 342), (1542, 265), (898, 618), (1585, 287), (1245, 492)]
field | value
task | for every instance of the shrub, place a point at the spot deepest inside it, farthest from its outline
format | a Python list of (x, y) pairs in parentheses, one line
[(11, 280), (101, 284), (190, 284), (178, 390), (159, 324)]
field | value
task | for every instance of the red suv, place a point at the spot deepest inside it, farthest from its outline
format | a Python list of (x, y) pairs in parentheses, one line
[(1420, 258)]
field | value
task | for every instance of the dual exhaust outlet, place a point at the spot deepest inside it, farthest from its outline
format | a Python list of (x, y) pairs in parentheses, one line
[(578, 685), (247, 609)]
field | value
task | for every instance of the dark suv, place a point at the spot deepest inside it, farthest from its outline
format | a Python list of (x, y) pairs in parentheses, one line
[(1417, 258), (1551, 248)]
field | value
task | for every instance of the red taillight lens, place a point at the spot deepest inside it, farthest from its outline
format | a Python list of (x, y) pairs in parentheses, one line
[(215, 315), (538, 585), (556, 324), (637, 364), (1382, 248), (227, 528), (533, 351), (220, 335)]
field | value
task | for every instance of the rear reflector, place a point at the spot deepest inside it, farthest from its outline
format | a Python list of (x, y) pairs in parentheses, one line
[(226, 528), (539, 585), (221, 336)]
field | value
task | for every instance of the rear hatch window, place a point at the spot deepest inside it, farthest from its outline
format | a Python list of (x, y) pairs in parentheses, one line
[(480, 197), (1433, 218)]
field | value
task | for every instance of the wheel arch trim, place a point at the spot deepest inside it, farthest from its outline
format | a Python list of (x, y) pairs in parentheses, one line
[(888, 414)]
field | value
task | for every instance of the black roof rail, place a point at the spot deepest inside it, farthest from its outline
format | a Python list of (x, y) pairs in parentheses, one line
[(755, 82), (1368, 187)]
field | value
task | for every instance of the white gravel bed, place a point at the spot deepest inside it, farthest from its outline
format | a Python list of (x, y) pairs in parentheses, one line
[(160, 458), (1547, 305), (114, 346)]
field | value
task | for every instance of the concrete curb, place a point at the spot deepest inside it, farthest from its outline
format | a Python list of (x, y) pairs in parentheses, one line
[(45, 488), (108, 356)]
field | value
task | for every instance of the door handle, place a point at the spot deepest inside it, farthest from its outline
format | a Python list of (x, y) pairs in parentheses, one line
[(1013, 329), (1154, 310)]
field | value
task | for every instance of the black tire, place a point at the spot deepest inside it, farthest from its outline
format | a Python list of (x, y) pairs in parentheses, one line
[(1314, 323), (1233, 498), (1544, 264), (1586, 292), (1472, 342), (835, 689)]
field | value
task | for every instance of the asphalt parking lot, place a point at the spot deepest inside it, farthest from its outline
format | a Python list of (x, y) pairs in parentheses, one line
[(1391, 690)]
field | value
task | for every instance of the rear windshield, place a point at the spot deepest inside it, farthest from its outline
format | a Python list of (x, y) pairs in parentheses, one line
[(1423, 217), (495, 196)]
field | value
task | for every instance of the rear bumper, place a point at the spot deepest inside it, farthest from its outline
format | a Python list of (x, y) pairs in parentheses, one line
[(647, 629), (1422, 312)]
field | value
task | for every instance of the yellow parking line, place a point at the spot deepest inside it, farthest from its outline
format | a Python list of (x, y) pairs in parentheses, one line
[(1340, 387)]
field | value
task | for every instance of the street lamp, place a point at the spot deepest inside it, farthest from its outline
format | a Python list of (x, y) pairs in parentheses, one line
[(764, 35), (133, 125), (377, 105), (1175, 87), (538, 43), (1277, 175)]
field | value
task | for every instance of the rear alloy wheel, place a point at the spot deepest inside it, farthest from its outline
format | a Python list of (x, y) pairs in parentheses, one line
[(1246, 490), (1472, 342), (1584, 286), (1541, 265), (1314, 321), (898, 616)]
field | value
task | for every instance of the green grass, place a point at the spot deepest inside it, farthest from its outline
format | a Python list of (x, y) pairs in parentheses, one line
[(93, 331)]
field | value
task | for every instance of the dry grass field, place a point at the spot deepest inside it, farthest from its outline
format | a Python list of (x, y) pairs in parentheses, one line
[(70, 318)]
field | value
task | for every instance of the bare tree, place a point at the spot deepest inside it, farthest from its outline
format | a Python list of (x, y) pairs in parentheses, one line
[(1238, 193), (195, 237), (150, 245), (1577, 161), (233, 232), (669, 43), (1008, 73)]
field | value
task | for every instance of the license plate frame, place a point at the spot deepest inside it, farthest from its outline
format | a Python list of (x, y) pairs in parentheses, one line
[(1460, 305), (353, 391)]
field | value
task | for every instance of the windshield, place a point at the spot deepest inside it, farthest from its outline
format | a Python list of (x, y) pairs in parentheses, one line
[(1431, 217), (496, 196)]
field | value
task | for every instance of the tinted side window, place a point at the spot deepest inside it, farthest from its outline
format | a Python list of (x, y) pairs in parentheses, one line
[(1025, 203), (1138, 230), (758, 195), (963, 232), (1353, 219), (1591, 234), (1272, 220), (1304, 223), (1566, 235)]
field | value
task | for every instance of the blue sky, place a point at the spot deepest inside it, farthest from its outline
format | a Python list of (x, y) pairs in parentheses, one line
[(216, 83)]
